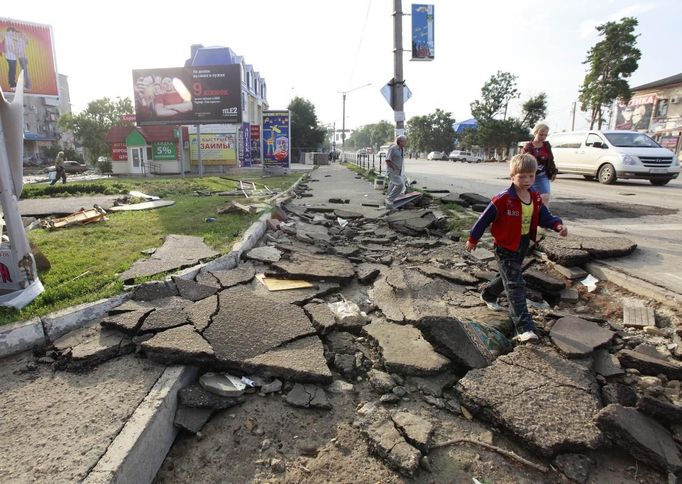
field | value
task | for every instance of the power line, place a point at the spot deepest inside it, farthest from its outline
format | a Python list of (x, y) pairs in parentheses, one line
[(357, 52)]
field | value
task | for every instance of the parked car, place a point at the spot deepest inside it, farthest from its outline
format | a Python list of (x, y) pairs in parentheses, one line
[(468, 156), (609, 155), (74, 167), (437, 155), (383, 150)]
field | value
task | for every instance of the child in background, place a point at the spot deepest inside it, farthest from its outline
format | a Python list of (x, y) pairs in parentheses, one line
[(515, 215)]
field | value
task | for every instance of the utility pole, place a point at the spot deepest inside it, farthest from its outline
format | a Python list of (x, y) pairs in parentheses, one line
[(343, 121), (398, 81), (573, 107)]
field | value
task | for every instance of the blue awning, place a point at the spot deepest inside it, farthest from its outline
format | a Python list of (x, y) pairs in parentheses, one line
[(467, 124), (31, 136)]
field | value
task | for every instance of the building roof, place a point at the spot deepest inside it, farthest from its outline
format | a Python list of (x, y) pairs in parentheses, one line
[(666, 81), (118, 134)]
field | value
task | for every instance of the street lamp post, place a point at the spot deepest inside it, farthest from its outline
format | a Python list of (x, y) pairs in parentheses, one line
[(343, 120)]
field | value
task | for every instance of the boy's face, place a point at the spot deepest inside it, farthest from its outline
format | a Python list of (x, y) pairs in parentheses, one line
[(523, 181)]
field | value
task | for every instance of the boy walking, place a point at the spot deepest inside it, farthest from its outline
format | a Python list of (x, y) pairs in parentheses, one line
[(515, 215)]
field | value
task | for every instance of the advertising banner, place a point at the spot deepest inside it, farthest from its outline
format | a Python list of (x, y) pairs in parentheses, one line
[(9, 279), (119, 152), (245, 151), (216, 149), (636, 115), (188, 95), (255, 144), (276, 152), (669, 142), (422, 32), (164, 150), (27, 47)]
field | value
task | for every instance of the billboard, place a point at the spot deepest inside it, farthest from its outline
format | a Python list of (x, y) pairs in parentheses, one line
[(188, 95), (216, 149), (27, 47), (636, 115), (245, 147), (255, 143), (276, 139), (422, 32)]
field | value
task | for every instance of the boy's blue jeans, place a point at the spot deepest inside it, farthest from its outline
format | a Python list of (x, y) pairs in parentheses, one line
[(510, 278)]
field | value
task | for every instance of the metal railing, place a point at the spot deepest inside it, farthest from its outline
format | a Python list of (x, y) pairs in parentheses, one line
[(368, 162)]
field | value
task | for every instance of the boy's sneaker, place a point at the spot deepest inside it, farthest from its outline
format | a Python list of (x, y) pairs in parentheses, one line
[(494, 305), (526, 337)]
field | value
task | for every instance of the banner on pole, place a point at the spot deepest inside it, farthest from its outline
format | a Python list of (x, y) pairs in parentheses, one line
[(422, 32)]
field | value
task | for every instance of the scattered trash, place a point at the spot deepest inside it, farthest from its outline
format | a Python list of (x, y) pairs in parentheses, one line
[(236, 207), (590, 282), (248, 382), (222, 384), (143, 205), (82, 217), (538, 305), (210, 219), (143, 196), (342, 221), (274, 284), (344, 309), (202, 193)]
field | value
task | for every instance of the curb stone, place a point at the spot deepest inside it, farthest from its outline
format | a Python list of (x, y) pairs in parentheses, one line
[(137, 452), (21, 336)]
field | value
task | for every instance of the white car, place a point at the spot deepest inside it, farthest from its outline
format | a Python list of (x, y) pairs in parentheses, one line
[(609, 155), (436, 155), (468, 156)]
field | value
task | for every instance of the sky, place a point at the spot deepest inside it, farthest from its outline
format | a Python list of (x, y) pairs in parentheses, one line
[(316, 49)]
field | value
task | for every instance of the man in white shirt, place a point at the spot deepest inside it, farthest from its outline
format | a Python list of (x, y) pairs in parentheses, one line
[(11, 57), (395, 170)]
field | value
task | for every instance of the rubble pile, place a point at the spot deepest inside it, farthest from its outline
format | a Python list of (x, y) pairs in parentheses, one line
[(391, 305)]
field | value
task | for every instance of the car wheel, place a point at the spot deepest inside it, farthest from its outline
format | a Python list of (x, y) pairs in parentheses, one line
[(607, 174), (659, 182), (588, 177)]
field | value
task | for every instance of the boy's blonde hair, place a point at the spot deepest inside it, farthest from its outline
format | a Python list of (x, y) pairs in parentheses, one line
[(523, 163)]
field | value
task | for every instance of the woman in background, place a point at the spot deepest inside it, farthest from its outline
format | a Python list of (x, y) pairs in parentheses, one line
[(540, 148)]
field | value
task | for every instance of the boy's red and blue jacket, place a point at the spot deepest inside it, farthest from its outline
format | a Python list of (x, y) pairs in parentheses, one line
[(504, 213)]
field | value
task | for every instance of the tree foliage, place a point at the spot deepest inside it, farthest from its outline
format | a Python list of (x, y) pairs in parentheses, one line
[(90, 126), (534, 109), (306, 133), (373, 135), (431, 132), (611, 62), (495, 96)]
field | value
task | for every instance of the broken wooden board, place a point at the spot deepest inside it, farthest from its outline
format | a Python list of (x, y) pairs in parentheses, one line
[(81, 217), (637, 315), (274, 284), (143, 205)]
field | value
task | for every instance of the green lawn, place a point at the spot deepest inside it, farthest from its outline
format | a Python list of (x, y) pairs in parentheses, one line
[(86, 259)]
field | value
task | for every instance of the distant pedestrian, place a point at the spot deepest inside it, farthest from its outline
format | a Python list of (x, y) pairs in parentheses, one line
[(395, 170), (59, 165), (540, 148), (515, 215)]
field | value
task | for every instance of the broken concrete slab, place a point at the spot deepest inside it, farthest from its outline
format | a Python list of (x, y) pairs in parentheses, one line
[(381, 381), (659, 409), (207, 279), (200, 313), (404, 350), (577, 251), (314, 267), (467, 344), (577, 467), (177, 251), (411, 221), (649, 365), (193, 291), (162, 319), (191, 419), (644, 438), (368, 272), (194, 396), (416, 430), (386, 441), (347, 214), (576, 337), (164, 302), (542, 282), (474, 198), (321, 316), (152, 290), (619, 393), (546, 401), (295, 296), (311, 234), (300, 360), (606, 364), (572, 273), (432, 385), (90, 346), (454, 275), (265, 254), (482, 254), (127, 322), (408, 295), (241, 274), (181, 345), (308, 396), (569, 295)]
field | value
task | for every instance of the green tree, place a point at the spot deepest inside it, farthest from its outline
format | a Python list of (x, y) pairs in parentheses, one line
[(373, 135), (611, 62), (431, 132), (306, 133), (534, 109), (90, 126), (495, 96)]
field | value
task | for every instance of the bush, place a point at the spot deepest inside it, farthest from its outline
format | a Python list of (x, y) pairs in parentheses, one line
[(104, 166)]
